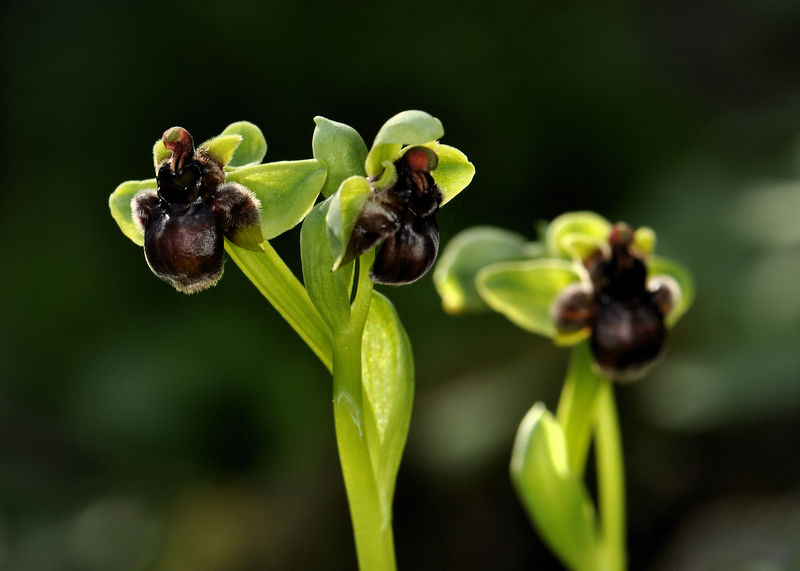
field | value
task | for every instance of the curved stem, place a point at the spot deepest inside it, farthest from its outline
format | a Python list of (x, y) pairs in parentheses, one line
[(610, 480), (283, 290), (371, 528)]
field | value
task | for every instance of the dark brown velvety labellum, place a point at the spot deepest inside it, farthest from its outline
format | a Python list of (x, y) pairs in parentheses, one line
[(626, 319), (407, 254)]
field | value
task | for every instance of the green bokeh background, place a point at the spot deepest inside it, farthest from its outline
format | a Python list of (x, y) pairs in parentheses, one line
[(144, 429)]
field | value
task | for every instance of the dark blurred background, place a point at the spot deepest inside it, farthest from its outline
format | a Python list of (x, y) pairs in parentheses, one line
[(144, 429)]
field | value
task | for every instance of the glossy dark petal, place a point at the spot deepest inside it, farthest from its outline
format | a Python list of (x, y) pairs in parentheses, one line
[(183, 187), (377, 221), (407, 254), (627, 336), (184, 245)]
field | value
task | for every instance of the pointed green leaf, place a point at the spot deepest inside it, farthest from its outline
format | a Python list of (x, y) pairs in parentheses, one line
[(387, 369), (341, 148), (253, 146), (160, 153), (555, 498), (406, 128), (329, 291), (464, 256), (287, 191), (525, 291), (454, 171), (120, 204), (682, 278), (221, 147), (346, 205), (588, 226)]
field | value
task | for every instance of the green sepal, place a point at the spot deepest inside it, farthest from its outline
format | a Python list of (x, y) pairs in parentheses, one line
[(341, 148), (464, 256), (346, 205), (525, 292), (329, 291), (406, 128), (287, 191), (160, 153), (644, 240), (682, 277), (387, 371), (554, 496), (454, 171), (220, 148), (120, 204), (569, 233), (253, 146), (248, 237)]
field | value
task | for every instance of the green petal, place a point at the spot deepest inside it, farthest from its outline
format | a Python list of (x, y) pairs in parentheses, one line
[(345, 207), (221, 147), (341, 148), (570, 233), (387, 368), (644, 240), (656, 267), (287, 191), (120, 204), (525, 291), (555, 498), (160, 153), (406, 128), (253, 146), (464, 256), (329, 291), (454, 172)]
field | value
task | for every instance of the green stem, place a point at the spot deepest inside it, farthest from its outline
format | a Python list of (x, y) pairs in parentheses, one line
[(610, 481), (372, 526), (283, 290), (577, 406)]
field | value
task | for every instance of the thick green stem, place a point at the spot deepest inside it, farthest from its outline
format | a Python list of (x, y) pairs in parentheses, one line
[(578, 405), (371, 525), (610, 481), (283, 290)]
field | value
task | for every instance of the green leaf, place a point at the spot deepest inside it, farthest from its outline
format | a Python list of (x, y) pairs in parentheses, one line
[(287, 191), (342, 150), (682, 277), (387, 369), (462, 258), (525, 291), (555, 498), (406, 128), (570, 234), (160, 153), (329, 291), (120, 204), (253, 146), (221, 147), (454, 172), (346, 205)]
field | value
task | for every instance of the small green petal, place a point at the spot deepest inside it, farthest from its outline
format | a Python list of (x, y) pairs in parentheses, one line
[(160, 153), (406, 128), (221, 147), (682, 277), (454, 172), (345, 207), (644, 240), (253, 146), (587, 225), (387, 369), (525, 291), (120, 204), (554, 496), (341, 148), (287, 191), (388, 177), (462, 258)]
